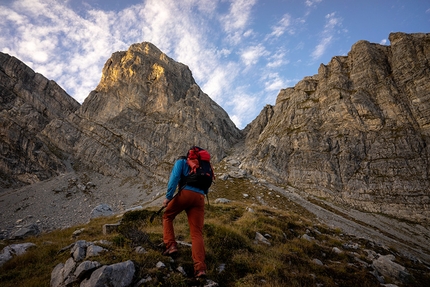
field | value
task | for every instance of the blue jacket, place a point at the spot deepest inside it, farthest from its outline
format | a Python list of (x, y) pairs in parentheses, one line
[(180, 169)]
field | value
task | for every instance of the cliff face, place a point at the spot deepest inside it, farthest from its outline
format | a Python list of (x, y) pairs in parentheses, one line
[(28, 103), (357, 132), (146, 111)]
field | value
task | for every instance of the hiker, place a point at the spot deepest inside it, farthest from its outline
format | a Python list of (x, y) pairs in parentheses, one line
[(191, 199)]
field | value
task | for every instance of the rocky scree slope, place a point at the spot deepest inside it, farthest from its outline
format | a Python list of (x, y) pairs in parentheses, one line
[(356, 133)]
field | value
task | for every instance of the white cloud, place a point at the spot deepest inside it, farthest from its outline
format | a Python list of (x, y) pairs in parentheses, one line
[(383, 42), (277, 60), (321, 47), (273, 82), (55, 41), (243, 105), (220, 82), (311, 3), (327, 35), (251, 55), (237, 20), (284, 25)]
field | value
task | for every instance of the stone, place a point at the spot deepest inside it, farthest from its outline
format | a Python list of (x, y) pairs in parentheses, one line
[(222, 200), (86, 268), (181, 270), (210, 283), (26, 231), (259, 238), (57, 277), (79, 250), (221, 268), (115, 275), (307, 237), (101, 210), (140, 250), (14, 250), (94, 250), (77, 232), (386, 266)]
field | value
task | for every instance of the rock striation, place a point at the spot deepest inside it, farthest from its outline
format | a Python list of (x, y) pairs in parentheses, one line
[(146, 111), (28, 103), (356, 133)]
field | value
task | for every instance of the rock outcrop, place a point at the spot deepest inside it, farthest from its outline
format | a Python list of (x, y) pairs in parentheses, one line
[(28, 102), (146, 111), (357, 132)]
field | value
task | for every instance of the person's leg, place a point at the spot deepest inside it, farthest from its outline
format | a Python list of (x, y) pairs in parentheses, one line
[(195, 215), (175, 206)]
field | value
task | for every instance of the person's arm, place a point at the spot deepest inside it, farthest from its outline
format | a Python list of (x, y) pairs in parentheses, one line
[(174, 178)]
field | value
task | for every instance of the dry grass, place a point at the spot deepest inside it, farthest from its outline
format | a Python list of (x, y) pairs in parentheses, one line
[(229, 234)]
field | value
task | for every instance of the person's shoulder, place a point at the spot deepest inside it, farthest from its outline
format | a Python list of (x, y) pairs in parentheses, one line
[(181, 161)]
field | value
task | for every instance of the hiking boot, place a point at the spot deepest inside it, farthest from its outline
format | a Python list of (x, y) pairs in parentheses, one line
[(201, 274), (172, 250)]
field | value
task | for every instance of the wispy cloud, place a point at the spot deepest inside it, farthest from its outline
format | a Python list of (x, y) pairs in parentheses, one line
[(327, 35), (277, 59), (273, 82), (237, 21), (56, 42), (311, 3), (251, 55), (72, 48), (242, 104), (284, 25)]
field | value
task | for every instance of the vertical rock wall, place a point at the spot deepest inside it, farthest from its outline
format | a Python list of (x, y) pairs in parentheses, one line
[(357, 132)]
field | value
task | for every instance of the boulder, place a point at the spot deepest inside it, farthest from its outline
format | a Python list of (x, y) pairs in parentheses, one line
[(115, 275), (386, 266), (15, 249), (26, 231), (101, 210)]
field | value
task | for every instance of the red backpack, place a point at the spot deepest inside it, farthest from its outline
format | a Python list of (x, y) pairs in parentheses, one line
[(201, 174)]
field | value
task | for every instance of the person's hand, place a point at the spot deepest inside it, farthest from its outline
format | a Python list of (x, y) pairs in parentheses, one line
[(166, 202)]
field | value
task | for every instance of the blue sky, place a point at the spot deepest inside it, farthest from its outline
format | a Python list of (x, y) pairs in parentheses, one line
[(241, 52)]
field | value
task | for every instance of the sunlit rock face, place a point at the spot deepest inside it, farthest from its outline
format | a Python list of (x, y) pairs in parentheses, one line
[(357, 132), (146, 111)]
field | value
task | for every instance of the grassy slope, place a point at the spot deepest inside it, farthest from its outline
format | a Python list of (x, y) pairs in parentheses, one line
[(229, 236)]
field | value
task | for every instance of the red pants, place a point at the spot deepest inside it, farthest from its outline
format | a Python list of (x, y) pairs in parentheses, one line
[(194, 205)]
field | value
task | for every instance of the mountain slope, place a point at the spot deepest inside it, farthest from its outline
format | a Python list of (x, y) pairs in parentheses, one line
[(146, 111), (356, 133), (28, 103)]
